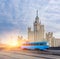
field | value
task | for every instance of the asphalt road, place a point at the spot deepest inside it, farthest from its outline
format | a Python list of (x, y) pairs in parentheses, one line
[(25, 55)]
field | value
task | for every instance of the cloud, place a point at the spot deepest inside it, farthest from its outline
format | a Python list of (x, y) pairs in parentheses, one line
[(19, 14)]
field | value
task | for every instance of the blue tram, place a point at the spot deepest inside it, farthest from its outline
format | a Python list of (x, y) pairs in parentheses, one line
[(35, 45)]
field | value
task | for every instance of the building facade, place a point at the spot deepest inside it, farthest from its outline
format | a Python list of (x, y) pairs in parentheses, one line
[(57, 42)]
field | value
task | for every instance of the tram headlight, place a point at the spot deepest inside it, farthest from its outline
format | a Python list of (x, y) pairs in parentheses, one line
[(47, 43)]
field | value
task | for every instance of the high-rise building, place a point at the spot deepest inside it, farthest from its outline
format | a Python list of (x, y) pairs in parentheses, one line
[(38, 32)]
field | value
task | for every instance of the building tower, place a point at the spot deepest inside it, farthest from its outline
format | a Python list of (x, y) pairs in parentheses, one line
[(36, 27), (38, 30), (50, 38)]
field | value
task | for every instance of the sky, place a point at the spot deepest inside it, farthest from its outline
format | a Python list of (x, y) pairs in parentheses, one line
[(17, 15)]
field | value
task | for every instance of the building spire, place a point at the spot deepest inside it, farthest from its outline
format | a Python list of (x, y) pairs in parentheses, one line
[(37, 18), (37, 13)]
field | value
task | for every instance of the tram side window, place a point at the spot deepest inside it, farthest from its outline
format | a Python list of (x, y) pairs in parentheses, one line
[(42, 44), (38, 44), (35, 44)]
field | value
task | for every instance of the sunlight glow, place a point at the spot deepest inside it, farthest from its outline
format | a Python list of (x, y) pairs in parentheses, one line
[(13, 42)]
